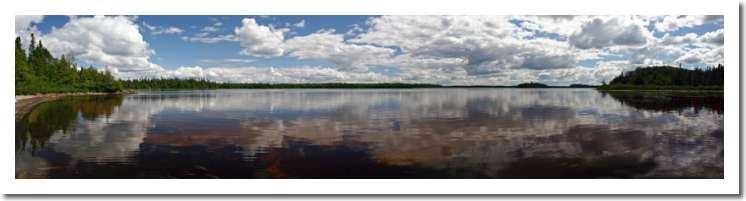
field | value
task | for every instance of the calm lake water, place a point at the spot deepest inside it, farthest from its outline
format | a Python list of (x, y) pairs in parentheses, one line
[(376, 133)]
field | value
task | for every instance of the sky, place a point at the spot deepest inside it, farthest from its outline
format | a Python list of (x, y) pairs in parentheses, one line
[(440, 49)]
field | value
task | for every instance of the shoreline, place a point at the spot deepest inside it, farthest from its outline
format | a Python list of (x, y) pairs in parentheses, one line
[(654, 90), (27, 103)]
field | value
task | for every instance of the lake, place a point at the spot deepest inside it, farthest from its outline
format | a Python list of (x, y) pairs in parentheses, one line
[(461, 133)]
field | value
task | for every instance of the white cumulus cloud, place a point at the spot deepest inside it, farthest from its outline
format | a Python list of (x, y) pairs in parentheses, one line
[(23, 22), (113, 41), (709, 56), (673, 23), (485, 44), (329, 47), (259, 40), (599, 34), (24, 29), (448, 50), (714, 38)]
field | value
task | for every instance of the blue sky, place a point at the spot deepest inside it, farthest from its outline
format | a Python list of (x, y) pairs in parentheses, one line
[(448, 50)]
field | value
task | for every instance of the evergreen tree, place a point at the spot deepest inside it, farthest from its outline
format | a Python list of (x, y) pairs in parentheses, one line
[(33, 43), (22, 71)]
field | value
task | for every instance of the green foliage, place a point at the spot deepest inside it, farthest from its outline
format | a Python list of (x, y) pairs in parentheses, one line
[(22, 70), (43, 85), (40, 72), (656, 87), (169, 83), (669, 78)]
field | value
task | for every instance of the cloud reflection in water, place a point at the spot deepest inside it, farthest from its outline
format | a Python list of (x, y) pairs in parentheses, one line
[(440, 133)]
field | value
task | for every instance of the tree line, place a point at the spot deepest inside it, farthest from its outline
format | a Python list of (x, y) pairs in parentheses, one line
[(669, 78), (170, 83), (40, 72), (323, 85), (203, 83)]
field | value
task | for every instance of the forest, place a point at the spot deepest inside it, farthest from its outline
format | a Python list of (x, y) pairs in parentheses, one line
[(39, 72), (668, 78)]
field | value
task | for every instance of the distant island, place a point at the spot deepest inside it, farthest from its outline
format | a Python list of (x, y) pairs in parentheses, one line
[(532, 85), (583, 86), (668, 78)]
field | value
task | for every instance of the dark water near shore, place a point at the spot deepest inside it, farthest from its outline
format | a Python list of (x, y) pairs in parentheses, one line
[(376, 133)]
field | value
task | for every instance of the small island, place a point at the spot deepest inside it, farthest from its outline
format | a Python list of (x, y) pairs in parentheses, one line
[(532, 85)]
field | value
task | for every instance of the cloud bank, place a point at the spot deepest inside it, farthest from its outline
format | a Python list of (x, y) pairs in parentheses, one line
[(450, 50)]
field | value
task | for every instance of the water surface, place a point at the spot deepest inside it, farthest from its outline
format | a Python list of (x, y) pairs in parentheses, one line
[(376, 133)]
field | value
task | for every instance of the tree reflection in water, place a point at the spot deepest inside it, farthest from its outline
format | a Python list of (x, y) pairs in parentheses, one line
[(60, 116), (665, 101)]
